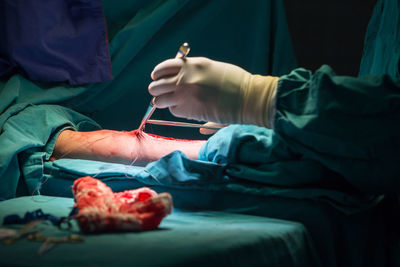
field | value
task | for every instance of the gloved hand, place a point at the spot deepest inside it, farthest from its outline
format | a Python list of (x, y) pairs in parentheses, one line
[(208, 90), (207, 131)]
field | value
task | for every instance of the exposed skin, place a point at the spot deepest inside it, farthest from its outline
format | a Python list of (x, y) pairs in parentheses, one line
[(134, 147)]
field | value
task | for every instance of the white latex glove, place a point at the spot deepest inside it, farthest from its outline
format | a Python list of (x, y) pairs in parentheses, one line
[(208, 90)]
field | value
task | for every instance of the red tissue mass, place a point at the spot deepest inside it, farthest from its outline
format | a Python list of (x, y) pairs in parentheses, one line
[(102, 210)]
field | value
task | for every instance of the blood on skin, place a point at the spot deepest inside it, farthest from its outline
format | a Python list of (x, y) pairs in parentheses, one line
[(139, 134), (121, 147), (170, 138)]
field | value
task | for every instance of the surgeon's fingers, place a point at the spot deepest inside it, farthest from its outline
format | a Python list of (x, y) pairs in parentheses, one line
[(166, 68), (162, 86), (166, 100), (207, 131)]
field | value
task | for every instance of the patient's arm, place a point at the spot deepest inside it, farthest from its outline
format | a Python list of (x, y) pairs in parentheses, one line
[(119, 146)]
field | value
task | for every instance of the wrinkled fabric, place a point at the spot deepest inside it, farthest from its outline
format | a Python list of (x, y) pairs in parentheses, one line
[(185, 238), (344, 226), (54, 41), (346, 125), (271, 171), (28, 138), (381, 53), (302, 164), (142, 33)]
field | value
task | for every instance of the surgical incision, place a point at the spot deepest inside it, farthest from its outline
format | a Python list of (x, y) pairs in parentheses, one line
[(123, 147)]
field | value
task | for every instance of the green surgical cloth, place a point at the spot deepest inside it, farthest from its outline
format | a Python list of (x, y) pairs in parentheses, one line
[(382, 41), (141, 35), (206, 238), (27, 141), (252, 35), (348, 125)]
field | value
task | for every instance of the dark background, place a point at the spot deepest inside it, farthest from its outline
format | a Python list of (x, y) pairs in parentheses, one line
[(329, 32)]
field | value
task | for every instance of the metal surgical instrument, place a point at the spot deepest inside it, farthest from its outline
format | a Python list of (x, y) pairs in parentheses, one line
[(182, 52), (183, 124)]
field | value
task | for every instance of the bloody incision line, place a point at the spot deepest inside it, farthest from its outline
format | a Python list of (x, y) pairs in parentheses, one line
[(139, 134), (120, 146)]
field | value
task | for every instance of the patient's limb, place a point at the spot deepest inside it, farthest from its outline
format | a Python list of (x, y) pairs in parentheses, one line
[(120, 147)]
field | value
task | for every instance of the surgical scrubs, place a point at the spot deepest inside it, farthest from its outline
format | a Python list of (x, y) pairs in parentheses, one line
[(142, 33), (335, 142), (54, 41)]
